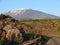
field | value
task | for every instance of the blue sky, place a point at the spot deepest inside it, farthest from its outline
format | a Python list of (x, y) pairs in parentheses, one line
[(48, 6)]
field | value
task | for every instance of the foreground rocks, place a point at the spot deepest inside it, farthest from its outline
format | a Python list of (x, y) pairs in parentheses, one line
[(53, 41), (14, 35)]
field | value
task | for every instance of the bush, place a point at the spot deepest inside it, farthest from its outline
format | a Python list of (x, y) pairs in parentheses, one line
[(2, 41), (39, 43)]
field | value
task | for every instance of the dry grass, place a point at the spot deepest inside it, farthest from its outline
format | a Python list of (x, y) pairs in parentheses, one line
[(50, 27)]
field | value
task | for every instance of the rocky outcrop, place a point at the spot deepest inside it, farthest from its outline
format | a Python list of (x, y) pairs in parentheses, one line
[(13, 33), (53, 41), (8, 27)]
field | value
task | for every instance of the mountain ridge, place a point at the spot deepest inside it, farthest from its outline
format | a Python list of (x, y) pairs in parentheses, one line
[(29, 14)]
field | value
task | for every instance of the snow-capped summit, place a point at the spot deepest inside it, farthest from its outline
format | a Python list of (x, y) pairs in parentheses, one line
[(27, 13), (25, 9)]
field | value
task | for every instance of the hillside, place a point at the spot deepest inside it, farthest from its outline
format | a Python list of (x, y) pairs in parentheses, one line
[(29, 32), (29, 14)]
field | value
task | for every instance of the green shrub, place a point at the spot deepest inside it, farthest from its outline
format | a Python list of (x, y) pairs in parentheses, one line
[(58, 28), (2, 41), (39, 43)]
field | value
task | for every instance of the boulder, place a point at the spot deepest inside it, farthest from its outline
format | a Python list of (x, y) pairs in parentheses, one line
[(7, 27), (14, 35)]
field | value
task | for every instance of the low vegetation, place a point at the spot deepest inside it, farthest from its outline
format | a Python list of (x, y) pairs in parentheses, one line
[(50, 27), (15, 32)]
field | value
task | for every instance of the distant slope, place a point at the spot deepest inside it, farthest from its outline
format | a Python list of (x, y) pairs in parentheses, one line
[(29, 14)]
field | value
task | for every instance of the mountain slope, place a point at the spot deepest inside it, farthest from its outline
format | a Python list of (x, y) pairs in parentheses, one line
[(29, 14)]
